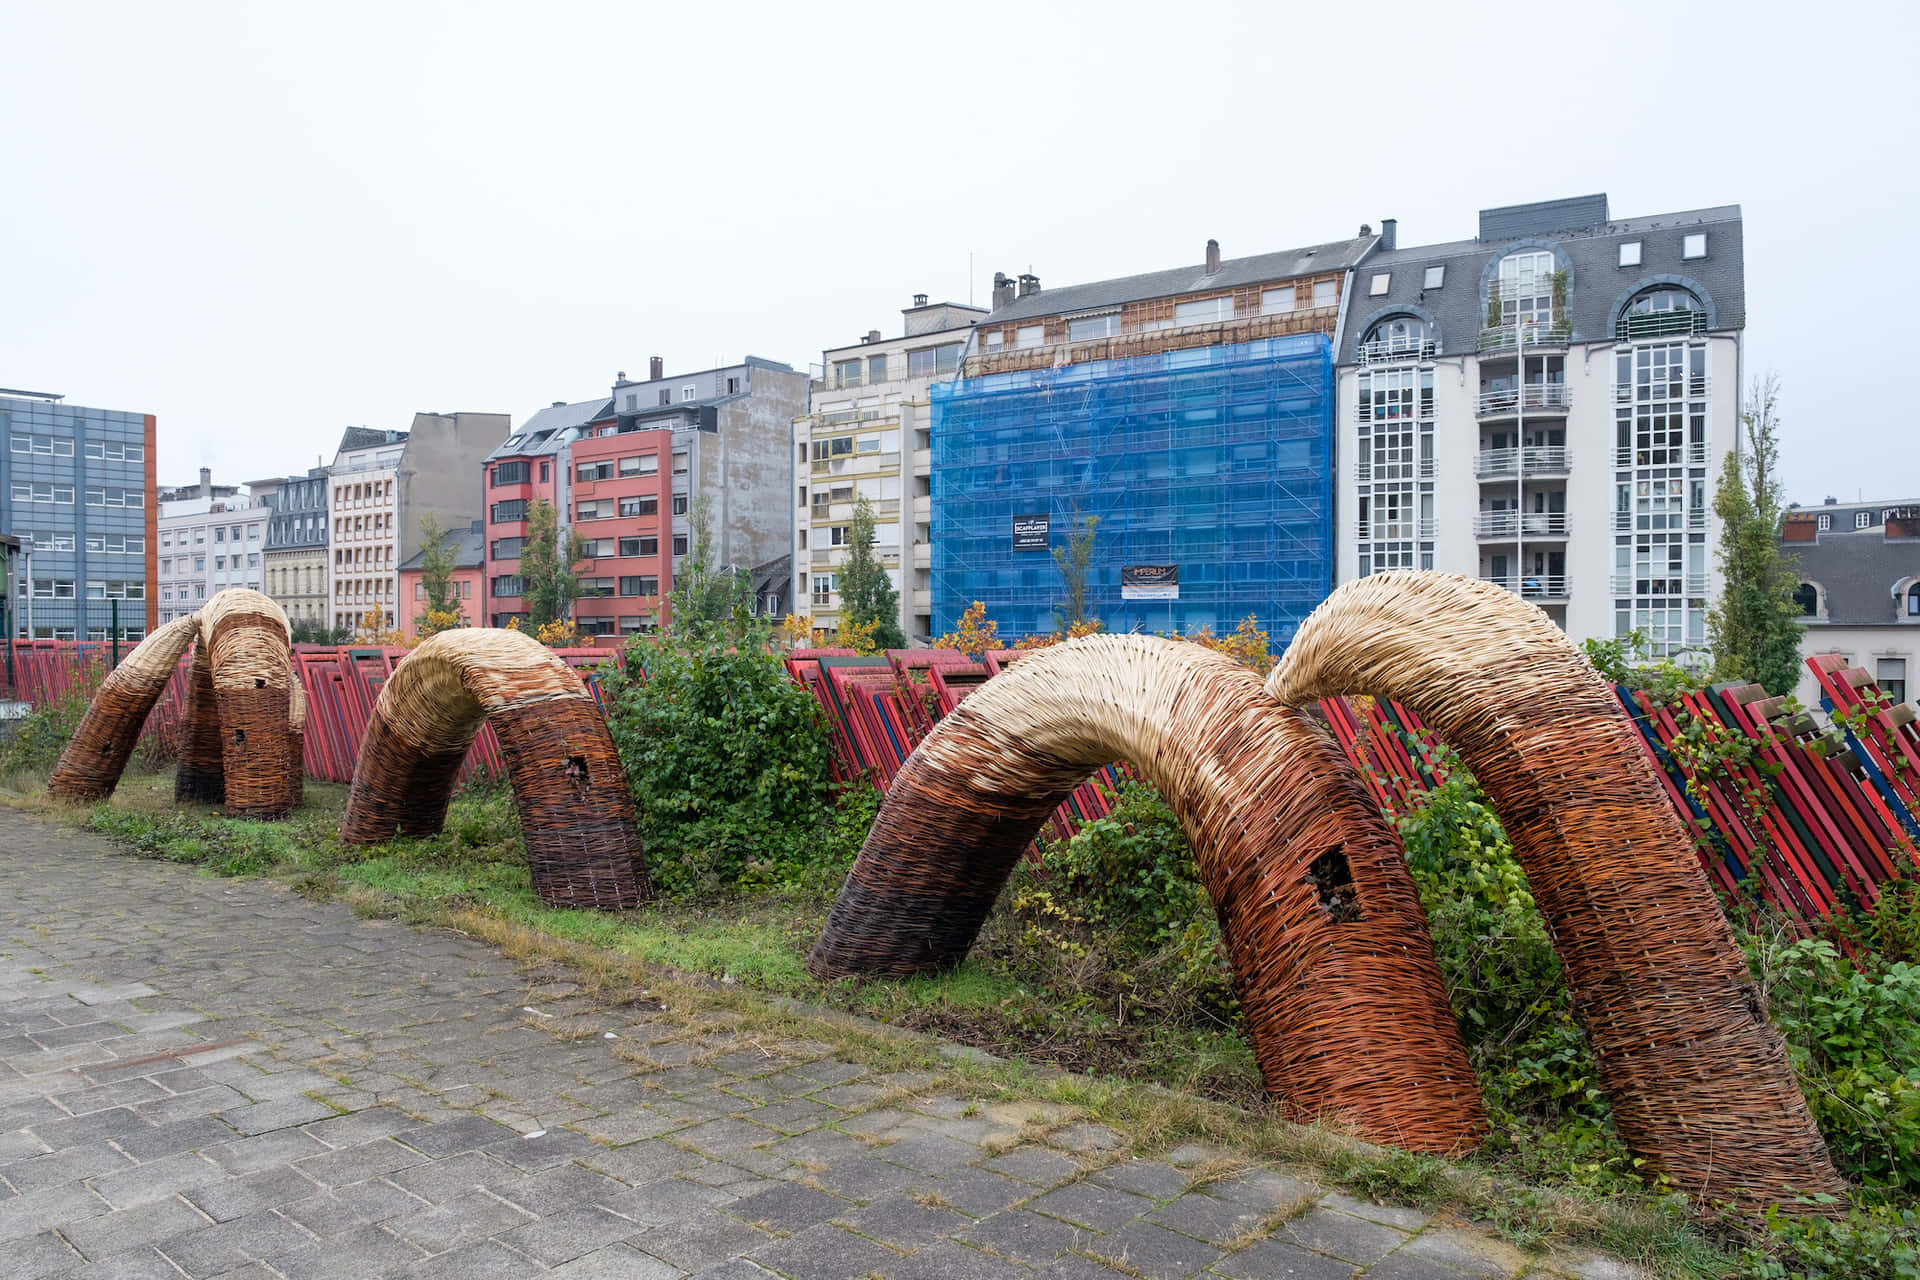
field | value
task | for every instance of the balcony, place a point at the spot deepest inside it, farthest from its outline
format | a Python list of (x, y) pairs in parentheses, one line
[(1537, 524), (1692, 386), (1640, 326), (922, 556), (1538, 460), (1541, 398), (1658, 521), (1540, 588), (1692, 455), (1534, 335), (1366, 473), (1691, 585), (1396, 530), (1394, 350)]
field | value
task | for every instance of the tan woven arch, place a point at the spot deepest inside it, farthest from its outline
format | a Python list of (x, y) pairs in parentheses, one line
[(1344, 1001), (249, 672), (90, 767), (1697, 1076), (575, 810)]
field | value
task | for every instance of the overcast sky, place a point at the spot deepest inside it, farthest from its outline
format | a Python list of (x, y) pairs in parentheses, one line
[(265, 222)]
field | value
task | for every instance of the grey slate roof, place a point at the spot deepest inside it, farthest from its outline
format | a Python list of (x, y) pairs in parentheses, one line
[(469, 551), (541, 433), (1233, 272), (1597, 286), (1858, 568), (368, 437)]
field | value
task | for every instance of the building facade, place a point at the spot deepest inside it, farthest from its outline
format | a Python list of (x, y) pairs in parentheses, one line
[(1545, 407), (211, 537), (296, 550), (1859, 590), (1188, 412), (77, 488), (627, 472), (867, 435), (467, 579)]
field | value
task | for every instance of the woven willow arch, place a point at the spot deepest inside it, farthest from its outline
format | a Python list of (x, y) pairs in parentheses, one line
[(575, 809), (1697, 1076), (90, 767), (246, 645), (1329, 948)]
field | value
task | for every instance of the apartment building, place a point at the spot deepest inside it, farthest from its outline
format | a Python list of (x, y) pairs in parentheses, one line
[(625, 471), (467, 580), (296, 549), (1546, 406), (867, 435), (211, 537), (1859, 590), (383, 483), (77, 489), (1189, 411)]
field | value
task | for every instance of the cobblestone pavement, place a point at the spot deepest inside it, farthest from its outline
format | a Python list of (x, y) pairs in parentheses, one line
[(210, 1077)]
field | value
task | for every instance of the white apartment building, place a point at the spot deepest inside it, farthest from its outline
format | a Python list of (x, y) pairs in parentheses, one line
[(211, 537), (365, 537), (1546, 406), (866, 437)]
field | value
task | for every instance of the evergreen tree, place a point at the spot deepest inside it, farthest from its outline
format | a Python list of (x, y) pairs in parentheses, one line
[(866, 593), (1756, 624), (1074, 560), (547, 565)]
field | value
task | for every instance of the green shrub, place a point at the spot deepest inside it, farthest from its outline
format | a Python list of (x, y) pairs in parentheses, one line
[(37, 741), (1880, 1242), (727, 757)]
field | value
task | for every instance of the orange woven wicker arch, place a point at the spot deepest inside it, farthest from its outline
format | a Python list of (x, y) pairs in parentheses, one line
[(1697, 1077), (90, 767), (575, 810), (246, 697), (1344, 1002)]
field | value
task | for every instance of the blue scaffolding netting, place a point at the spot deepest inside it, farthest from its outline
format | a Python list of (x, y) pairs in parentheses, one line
[(1216, 461)]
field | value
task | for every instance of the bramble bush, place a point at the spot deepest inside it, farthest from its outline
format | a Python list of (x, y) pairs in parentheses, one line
[(38, 740)]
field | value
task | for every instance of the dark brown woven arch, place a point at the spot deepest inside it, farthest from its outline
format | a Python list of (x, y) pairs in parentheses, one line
[(91, 766), (198, 773), (1343, 998), (1697, 1076), (575, 810), (245, 636)]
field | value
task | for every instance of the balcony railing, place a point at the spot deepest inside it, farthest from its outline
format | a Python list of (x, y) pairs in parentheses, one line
[(1532, 586), (1692, 585), (1364, 471), (1541, 397), (1692, 455), (1540, 460), (1636, 326), (1394, 350), (1537, 524), (1657, 521), (1498, 338), (1691, 386), (1396, 530)]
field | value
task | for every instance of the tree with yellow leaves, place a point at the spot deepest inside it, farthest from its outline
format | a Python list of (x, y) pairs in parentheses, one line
[(1247, 645), (377, 629), (976, 634)]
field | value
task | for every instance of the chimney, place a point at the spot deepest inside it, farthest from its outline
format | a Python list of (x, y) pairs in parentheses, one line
[(1029, 283), (1389, 234), (620, 376), (1213, 256), (656, 368), (206, 482), (1002, 290), (873, 335), (561, 404), (919, 299)]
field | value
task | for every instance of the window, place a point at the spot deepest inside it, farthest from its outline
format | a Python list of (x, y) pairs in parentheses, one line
[(1377, 287), (546, 472), (846, 373), (679, 462), (930, 362), (588, 472), (508, 584), (1030, 335), (679, 504), (219, 533), (1826, 523), (1090, 327), (52, 446), (648, 547), (1276, 301), (1806, 597), (1203, 311), (1863, 519), (600, 510), (640, 506), (1630, 254), (733, 386), (512, 473), (59, 494), (1325, 293), (1397, 336), (508, 511), (687, 392), (640, 585), (595, 548), (1913, 601), (876, 369), (112, 496), (1891, 675), (507, 548), (1694, 245), (679, 544), (594, 588), (995, 340), (629, 546), (1526, 287), (631, 466), (823, 588), (1436, 276)]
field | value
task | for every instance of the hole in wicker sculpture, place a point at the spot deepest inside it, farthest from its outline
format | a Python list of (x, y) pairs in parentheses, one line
[(575, 810), (1333, 884), (1348, 1019), (1698, 1079)]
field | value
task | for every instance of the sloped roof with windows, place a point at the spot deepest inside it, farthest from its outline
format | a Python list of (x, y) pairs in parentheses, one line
[(547, 430), (1857, 569)]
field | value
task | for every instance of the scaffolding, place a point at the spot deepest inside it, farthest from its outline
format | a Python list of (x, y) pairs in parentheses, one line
[(1217, 461)]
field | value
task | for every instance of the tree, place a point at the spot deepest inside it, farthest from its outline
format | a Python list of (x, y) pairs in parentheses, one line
[(975, 635), (867, 597), (437, 557), (706, 599), (547, 563), (1074, 560), (1756, 624)]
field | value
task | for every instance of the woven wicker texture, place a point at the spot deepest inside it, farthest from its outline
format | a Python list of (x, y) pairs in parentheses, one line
[(199, 775), (246, 637), (1697, 1076), (91, 766), (1343, 998), (575, 810)]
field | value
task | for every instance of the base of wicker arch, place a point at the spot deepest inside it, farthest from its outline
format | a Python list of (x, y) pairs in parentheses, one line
[(90, 768), (240, 710), (1344, 1002), (576, 813), (1697, 1077)]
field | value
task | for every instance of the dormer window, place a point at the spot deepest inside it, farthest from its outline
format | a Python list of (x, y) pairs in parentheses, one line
[(1913, 601), (1526, 288), (1826, 523), (1863, 519), (1806, 598), (1663, 311), (1397, 337), (1436, 276)]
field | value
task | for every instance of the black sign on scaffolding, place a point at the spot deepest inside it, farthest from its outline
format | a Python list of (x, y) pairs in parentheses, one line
[(1030, 533), (1150, 582)]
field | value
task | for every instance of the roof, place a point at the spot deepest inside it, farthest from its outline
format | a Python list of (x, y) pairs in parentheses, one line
[(542, 433), (1858, 569), (469, 551), (1597, 285), (368, 437), (1234, 272)]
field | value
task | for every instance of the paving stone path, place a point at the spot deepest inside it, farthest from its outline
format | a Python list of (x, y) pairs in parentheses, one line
[(210, 1077)]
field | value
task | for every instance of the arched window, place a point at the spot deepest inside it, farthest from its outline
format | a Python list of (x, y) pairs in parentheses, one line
[(1913, 601), (1807, 597), (1398, 337), (1526, 288), (1661, 311)]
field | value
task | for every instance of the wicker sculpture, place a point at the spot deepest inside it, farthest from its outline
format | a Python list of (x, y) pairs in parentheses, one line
[(1329, 948), (198, 776), (91, 766), (575, 810), (245, 637), (1697, 1076)]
